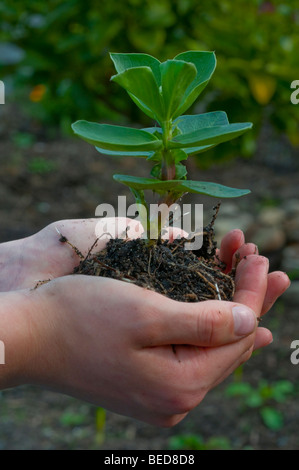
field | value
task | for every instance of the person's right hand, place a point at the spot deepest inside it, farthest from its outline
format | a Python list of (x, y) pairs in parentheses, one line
[(134, 351)]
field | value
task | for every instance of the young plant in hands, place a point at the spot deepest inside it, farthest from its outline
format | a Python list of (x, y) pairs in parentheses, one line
[(164, 91)]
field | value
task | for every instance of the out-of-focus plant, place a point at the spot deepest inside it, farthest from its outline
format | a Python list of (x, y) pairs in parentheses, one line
[(196, 442), (263, 397), (54, 55)]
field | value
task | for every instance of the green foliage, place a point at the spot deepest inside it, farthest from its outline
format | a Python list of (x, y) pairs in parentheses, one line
[(41, 165), (100, 425), (162, 91), (196, 442), (62, 45), (272, 418), (23, 139), (262, 397), (72, 419)]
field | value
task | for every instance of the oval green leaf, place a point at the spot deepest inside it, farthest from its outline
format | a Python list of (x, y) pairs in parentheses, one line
[(176, 76), (189, 123), (117, 153), (123, 62), (205, 63), (181, 186), (209, 136), (106, 136), (143, 88)]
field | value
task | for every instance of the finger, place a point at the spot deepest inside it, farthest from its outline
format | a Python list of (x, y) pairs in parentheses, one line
[(278, 283), (219, 363), (171, 233), (210, 323), (230, 243), (245, 250), (263, 337), (251, 282), (118, 227)]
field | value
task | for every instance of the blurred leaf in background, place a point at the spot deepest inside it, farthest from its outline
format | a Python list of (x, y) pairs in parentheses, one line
[(54, 57)]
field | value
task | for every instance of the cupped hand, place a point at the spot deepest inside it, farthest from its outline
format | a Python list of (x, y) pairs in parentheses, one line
[(137, 352), (43, 256)]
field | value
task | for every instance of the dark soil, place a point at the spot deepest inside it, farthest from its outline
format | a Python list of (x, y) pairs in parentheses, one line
[(167, 268)]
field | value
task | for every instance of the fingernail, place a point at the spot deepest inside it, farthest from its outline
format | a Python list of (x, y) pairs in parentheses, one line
[(244, 320)]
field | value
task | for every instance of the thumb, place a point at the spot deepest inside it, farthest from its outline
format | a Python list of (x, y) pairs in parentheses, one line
[(208, 324)]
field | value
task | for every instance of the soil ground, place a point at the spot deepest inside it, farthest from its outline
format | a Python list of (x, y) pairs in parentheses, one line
[(43, 180)]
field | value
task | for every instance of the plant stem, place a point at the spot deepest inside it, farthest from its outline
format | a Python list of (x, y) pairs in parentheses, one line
[(168, 164)]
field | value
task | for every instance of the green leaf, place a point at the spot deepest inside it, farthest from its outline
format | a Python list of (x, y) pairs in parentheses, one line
[(181, 186), (254, 399), (272, 418), (137, 182), (190, 123), (186, 442), (213, 189), (205, 63), (116, 153), (155, 156), (180, 171), (143, 88), (117, 138), (238, 389), (176, 76), (153, 130), (282, 389), (123, 62), (209, 136), (178, 155)]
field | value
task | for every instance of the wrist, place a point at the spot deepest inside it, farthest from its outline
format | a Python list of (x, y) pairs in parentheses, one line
[(17, 337), (28, 331), (15, 256)]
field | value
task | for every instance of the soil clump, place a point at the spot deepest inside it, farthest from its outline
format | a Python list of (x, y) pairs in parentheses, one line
[(167, 268)]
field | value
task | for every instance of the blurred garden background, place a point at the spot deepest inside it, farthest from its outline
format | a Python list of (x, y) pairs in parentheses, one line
[(55, 65)]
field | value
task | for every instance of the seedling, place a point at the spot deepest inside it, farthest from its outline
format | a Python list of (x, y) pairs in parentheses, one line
[(164, 91)]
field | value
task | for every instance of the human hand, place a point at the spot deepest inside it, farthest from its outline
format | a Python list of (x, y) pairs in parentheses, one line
[(134, 351), (42, 256)]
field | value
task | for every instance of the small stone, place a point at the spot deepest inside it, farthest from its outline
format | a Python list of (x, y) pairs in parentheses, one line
[(268, 239), (290, 258), (271, 216), (223, 225)]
